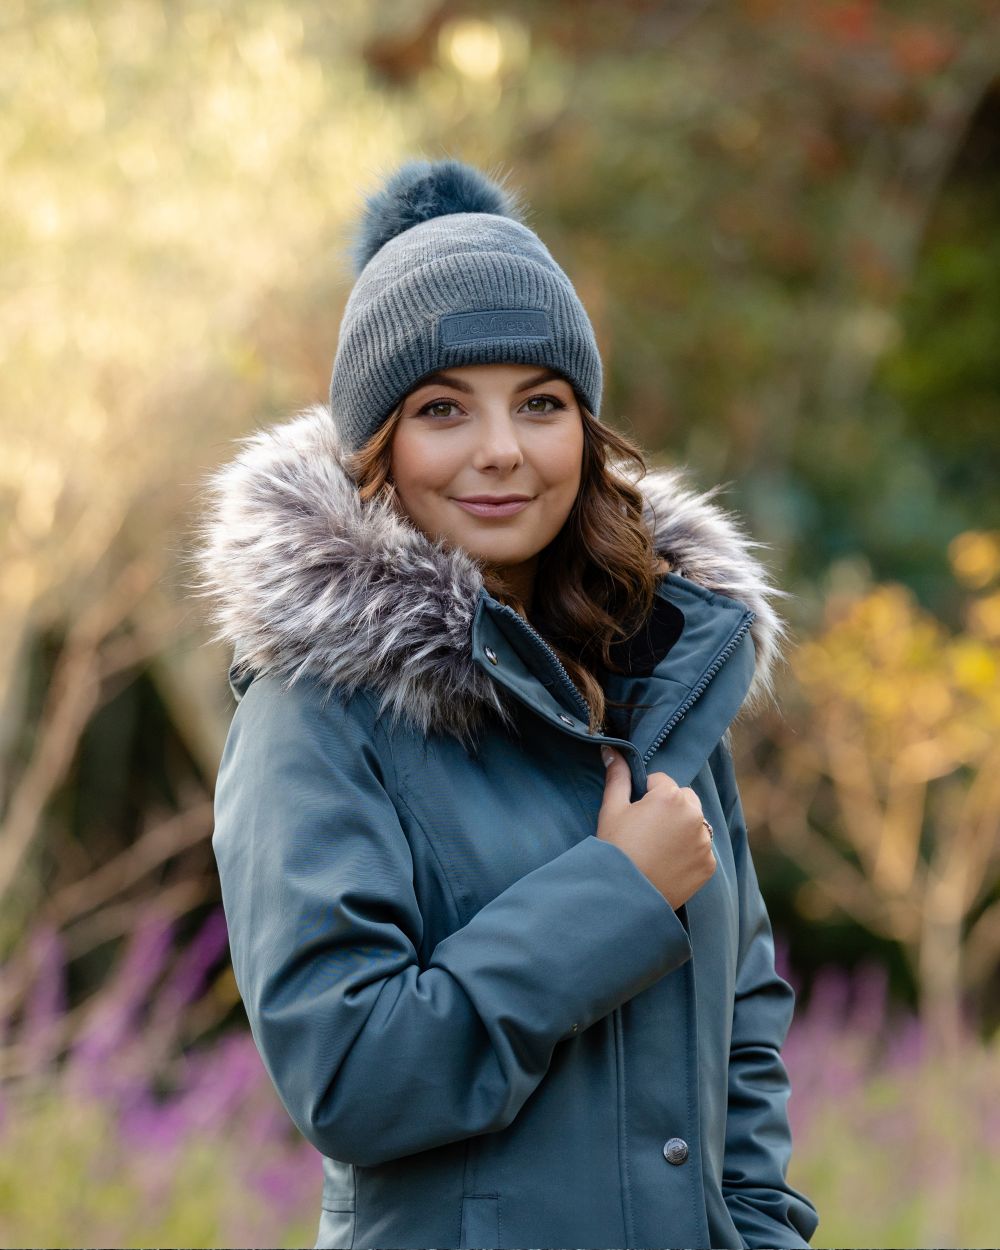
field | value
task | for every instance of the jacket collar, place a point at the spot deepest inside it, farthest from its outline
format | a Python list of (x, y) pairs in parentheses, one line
[(305, 578)]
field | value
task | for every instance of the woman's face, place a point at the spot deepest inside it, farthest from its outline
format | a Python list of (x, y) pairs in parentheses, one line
[(492, 431)]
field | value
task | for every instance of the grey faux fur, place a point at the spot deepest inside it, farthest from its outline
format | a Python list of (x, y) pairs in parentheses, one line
[(303, 578)]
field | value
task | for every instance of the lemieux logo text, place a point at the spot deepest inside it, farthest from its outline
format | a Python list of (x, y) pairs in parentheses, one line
[(506, 323)]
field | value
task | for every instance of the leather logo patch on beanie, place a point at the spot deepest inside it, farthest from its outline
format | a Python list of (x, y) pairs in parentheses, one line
[(500, 323)]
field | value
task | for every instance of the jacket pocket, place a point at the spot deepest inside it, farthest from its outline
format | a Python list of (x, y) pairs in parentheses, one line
[(480, 1222), (336, 1230), (336, 1224)]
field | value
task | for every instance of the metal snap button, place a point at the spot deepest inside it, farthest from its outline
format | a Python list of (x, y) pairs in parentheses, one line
[(676, 1150), (491, 655), (567, 720)]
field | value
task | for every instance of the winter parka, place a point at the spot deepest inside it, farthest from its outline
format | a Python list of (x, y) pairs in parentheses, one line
[(490, 1023)]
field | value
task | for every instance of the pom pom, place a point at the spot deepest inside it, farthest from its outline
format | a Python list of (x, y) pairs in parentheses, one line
[(421, 190)]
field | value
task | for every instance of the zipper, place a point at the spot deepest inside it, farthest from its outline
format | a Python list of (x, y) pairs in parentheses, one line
[(567, 682), (693, 695), (696, 691)]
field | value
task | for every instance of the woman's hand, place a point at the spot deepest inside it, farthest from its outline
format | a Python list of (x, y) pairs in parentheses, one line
[(664, 833)]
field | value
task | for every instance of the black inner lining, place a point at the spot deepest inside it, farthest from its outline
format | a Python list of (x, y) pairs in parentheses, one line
[(638, 656)]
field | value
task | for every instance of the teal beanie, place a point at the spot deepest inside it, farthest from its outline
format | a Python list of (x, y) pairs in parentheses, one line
[(447, 273)]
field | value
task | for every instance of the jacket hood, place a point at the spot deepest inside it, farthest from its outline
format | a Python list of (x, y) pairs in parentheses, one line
[(305, 578)]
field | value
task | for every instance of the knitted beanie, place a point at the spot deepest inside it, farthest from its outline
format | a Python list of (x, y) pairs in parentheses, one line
[(447, 273)]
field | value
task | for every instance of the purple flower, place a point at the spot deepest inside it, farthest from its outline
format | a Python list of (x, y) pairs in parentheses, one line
[(187, 979), (105, 1059), (45, 1004)]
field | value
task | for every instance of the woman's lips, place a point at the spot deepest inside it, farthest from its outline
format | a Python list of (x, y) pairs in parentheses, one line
[(494, 509)]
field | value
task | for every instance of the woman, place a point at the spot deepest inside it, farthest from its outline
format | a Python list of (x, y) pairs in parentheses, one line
[(512, 998)]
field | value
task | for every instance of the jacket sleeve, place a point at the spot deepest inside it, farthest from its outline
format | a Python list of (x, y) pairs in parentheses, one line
[(766, 1210), (373, 1054)]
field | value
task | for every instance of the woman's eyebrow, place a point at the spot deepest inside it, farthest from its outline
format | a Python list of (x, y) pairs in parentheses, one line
[(444, 379), (547, 375)]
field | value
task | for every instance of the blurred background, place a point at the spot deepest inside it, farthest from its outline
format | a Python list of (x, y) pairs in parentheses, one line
[(782, 217)]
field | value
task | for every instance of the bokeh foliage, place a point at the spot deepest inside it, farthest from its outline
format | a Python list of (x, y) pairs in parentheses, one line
[(780, 215)]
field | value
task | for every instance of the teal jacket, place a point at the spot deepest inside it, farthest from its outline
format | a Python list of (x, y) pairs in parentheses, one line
[(490, 1023)]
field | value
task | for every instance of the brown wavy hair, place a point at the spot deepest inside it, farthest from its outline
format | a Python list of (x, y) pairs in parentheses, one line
[(595, 580)]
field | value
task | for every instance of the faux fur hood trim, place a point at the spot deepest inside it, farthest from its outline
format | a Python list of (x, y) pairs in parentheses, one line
[(303, 577)]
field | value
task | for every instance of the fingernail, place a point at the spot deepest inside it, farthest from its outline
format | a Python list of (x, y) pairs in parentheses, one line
[(607, 755)]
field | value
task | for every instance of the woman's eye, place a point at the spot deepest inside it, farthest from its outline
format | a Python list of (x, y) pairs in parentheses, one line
[(437, 403), (556, 403)]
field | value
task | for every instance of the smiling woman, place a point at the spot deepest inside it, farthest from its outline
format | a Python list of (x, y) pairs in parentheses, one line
[(498, 441), (482, 431), (455, 924)]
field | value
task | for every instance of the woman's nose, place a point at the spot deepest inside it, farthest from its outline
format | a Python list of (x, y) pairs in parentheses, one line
[(498, 441)]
